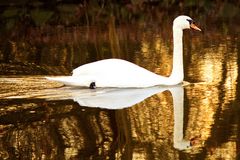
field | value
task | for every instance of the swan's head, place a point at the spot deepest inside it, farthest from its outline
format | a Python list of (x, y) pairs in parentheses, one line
[(184, 22)]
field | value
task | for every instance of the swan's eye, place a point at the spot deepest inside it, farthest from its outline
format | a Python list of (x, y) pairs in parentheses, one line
[(190, 21)]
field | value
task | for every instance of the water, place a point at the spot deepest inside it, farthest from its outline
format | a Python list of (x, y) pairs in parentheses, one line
[(44, 120)]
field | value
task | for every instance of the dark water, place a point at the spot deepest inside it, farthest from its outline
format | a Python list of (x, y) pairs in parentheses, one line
[(43, 120)]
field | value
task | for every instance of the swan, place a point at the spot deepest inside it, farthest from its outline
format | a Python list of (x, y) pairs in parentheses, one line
[(123, 74)]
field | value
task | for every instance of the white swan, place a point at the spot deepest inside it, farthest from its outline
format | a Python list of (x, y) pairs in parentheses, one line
[(124, 74)]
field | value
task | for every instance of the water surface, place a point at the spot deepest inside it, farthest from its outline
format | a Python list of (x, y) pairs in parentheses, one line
[(199, 120)]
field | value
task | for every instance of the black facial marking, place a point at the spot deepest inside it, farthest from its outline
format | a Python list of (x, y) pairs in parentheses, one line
[(92, 85), (190, 21)]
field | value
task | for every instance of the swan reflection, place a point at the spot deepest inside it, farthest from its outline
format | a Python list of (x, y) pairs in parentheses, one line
[(107, 98), (117, 98), (178, 110)]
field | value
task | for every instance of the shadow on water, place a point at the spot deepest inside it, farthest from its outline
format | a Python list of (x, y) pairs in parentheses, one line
[(43, 119)]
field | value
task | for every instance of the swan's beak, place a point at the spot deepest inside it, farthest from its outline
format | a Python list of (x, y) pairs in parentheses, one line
[(193, 26)]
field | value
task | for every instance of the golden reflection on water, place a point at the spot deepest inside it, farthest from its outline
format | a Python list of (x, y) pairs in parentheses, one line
[(152, 124), (155, 55), (203, 104), (215, 71), (143, 131)]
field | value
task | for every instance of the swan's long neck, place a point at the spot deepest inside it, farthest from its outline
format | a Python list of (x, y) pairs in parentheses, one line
[(177, 74)]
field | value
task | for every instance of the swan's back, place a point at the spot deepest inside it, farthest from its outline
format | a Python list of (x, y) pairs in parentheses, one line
[(117, 73), (110, 67)]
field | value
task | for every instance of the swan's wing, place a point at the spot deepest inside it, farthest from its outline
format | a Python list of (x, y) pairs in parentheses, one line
[(113, 73), (118, 73), (113, 67)]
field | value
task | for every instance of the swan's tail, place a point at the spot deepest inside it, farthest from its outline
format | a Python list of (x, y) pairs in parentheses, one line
[(63, 79), (71, 80)]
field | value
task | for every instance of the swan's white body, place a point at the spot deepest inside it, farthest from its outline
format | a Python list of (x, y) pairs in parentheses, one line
[(124, 74), (114, 73)]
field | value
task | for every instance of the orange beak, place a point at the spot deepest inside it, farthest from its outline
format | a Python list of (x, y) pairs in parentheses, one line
[(193, 26)]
